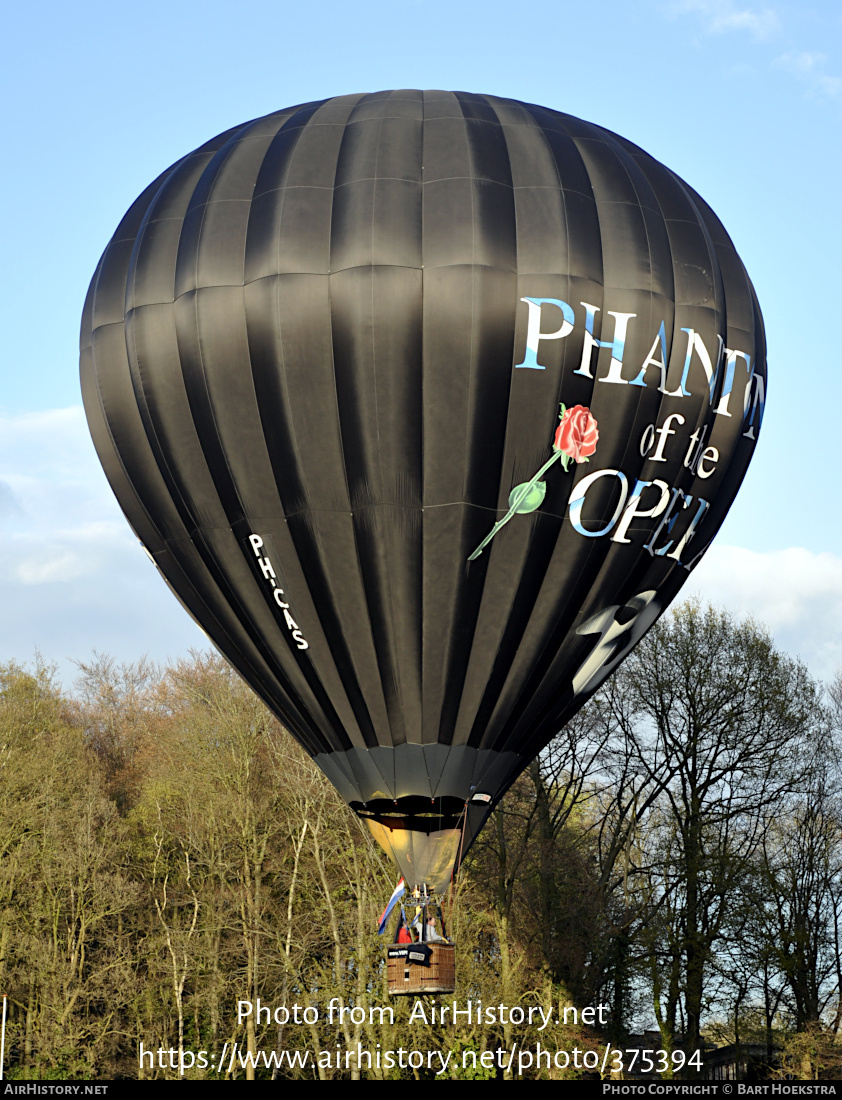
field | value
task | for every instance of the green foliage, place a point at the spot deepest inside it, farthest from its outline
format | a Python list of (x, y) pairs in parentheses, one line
[(168, 851)]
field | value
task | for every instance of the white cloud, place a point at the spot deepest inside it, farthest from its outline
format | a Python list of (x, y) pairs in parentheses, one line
[(762, 22), (9, 505), (72, 552), (795, 592), (60, 520), (721, 16), (48, 463), (809, 68), (72, 575)]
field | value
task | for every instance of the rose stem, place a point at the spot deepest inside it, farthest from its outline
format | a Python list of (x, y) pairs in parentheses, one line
[(525, 489)]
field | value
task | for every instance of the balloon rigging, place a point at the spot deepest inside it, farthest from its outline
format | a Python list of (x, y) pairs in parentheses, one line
[(424, 404)]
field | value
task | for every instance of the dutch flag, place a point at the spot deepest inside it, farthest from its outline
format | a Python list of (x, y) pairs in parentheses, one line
[(398, 893)]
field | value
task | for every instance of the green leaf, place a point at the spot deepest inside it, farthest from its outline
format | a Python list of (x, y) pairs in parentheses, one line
[(532, 496)]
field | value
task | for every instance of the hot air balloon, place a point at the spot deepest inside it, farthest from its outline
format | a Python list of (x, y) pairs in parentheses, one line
[(425, 405)]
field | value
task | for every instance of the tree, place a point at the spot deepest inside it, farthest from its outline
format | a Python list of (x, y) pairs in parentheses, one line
[(61, 883), (118, 705), (728, 726)]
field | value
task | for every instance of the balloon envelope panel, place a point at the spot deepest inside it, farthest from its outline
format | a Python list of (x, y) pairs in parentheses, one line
[(424, 404)]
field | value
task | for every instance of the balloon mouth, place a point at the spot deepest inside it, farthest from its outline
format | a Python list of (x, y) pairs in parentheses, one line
[(423, 837), (415, 809)]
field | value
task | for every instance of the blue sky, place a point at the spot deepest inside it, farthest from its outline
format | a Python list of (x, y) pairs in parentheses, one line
[(742, 99)]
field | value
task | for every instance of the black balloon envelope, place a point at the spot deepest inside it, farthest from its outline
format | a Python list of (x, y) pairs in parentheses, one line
[(424, 404)]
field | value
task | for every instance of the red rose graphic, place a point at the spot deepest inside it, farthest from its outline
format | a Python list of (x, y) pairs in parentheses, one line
[(575, 438), (577, 434)]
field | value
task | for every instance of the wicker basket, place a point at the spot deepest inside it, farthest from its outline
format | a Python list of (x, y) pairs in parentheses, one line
[(439, 977)]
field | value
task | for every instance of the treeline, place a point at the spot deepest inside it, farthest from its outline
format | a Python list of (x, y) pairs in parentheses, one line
[(168, 852)]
